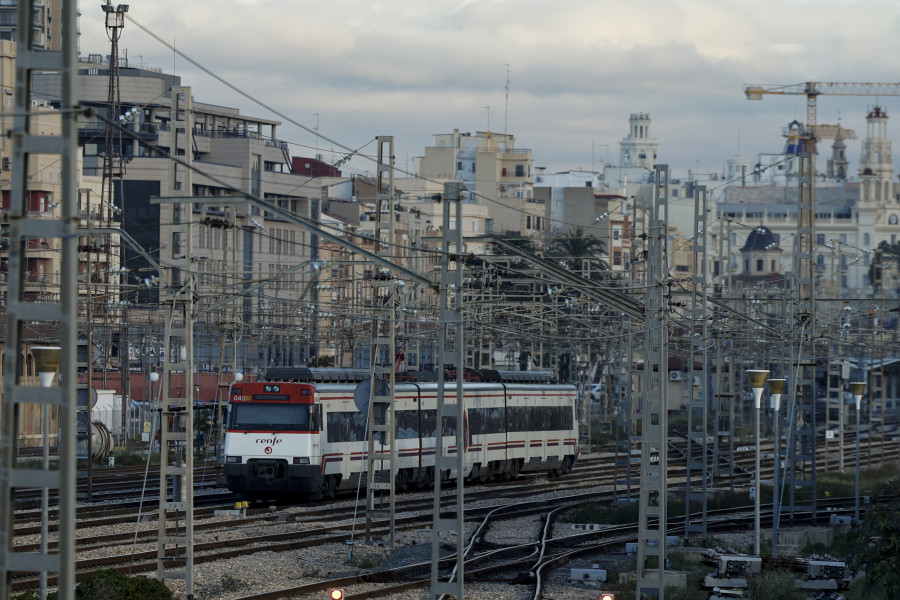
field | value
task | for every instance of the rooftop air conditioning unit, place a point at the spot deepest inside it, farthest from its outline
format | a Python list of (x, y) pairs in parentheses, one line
[(674, 375)]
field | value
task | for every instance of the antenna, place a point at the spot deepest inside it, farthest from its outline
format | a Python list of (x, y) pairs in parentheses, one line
[(488, 109), (506, 106), (316, 155)]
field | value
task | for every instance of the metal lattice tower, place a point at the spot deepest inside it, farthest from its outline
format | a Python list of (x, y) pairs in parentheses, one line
[(877, 390), (654, 433), (876, 393), (624, 425), (834, 392), (696, 479), (59, 316), (381, 457), (175, 550), (451, 343), (800, 478), (725, 398), (229, 326)]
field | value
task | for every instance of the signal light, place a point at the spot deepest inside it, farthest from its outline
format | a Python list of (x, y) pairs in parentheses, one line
[(607, 596), (336, 594)]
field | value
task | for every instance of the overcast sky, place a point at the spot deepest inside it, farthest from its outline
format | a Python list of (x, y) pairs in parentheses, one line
[(577, 69)]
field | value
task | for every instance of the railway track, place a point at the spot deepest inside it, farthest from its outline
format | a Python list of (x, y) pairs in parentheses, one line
[(581, 485)]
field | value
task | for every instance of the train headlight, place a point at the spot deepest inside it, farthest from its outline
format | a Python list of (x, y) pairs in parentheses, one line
[(607, 596), (336, 594), (233, 459), (301, 460)]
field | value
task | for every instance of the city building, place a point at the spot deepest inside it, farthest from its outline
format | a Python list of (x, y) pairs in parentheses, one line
[(236, 245), (495, 174), (45, 23), (851, 218)]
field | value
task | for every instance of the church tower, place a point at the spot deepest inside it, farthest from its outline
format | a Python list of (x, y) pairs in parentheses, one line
[(838, 163), (876, 169), (638, 149)]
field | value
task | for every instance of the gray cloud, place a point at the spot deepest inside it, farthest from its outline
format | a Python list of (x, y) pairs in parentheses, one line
[(577, 67)]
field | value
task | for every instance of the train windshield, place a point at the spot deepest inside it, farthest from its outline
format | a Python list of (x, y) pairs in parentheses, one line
[(275, 417)]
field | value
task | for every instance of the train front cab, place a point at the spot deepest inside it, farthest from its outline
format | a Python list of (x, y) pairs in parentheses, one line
[(268, 457)]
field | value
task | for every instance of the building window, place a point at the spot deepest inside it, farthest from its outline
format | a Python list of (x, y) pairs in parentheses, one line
[(773, 266), (865, 239), (617, 258), (617, 234), (528, 222), (820, 239), (759, 264), (503, 172), (843, 238), (892, 220), (459, 166), (747, 266), (520, 172)]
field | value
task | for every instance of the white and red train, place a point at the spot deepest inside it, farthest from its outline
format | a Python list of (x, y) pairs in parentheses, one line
[(303, 439)]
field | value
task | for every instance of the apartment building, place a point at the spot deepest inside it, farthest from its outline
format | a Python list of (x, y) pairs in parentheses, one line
[(245, 246), (496, 175)]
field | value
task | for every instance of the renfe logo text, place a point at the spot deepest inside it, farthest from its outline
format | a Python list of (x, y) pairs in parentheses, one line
[(269, 441)]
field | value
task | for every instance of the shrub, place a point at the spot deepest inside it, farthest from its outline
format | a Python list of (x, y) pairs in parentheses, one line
[(112, 585)]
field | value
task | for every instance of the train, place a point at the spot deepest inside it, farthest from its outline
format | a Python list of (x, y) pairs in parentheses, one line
[(297, 434)]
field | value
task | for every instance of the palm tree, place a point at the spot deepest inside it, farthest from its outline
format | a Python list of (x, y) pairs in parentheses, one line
[(580, 253)]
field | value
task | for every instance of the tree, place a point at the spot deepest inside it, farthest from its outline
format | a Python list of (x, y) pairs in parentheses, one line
[(580, 253), (886, 260), (876, 549), (321, 361)]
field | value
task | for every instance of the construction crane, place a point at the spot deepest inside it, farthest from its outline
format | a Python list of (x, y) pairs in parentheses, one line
[(814, 89)]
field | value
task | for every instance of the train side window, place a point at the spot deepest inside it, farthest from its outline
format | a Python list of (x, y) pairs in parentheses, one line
[(407, 424), (315, 417), (449, 425), (429, 423), (495, 420), (346, 427), (476, 421)]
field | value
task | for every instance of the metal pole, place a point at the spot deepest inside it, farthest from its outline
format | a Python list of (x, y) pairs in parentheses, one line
[(857, 388), (757, 383), (776, 388)]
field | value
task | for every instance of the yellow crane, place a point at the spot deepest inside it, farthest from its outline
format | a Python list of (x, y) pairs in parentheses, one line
[(814, 89)]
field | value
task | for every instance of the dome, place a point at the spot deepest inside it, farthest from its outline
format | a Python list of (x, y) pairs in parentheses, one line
[(761, 238)]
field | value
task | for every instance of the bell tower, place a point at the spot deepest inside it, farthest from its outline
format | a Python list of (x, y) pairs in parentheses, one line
[(876, 169), (638, 149)]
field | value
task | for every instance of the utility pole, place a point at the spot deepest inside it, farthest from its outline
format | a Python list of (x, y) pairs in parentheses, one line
[(381, 465), (451, 348), (177, 411), (56, 318), (652, 524)]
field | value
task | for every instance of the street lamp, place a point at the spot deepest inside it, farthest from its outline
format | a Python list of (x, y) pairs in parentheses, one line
[(154, 377), (776, 389), (857, 388), (757, 383), (46, 362)]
